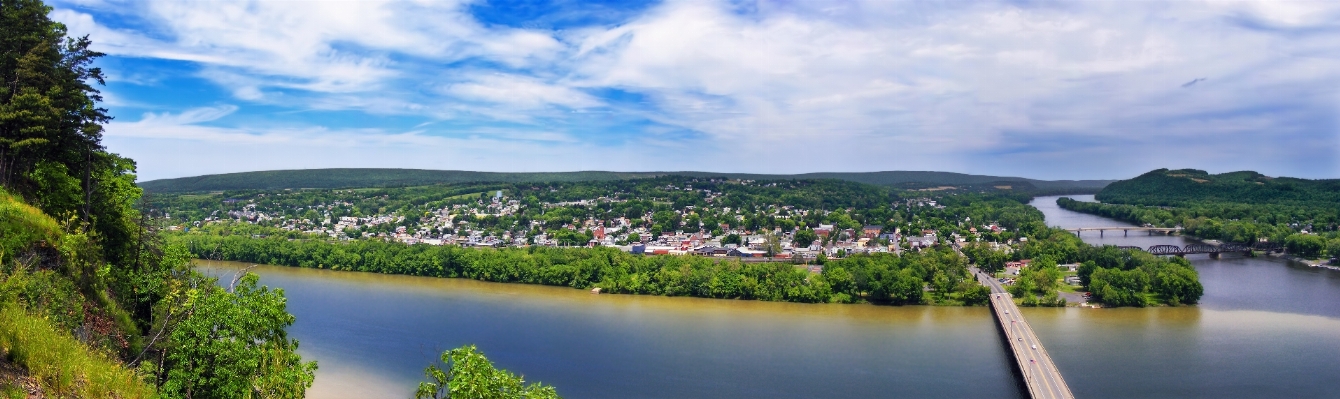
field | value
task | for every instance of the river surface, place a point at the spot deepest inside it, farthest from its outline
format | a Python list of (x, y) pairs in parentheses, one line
[(1266, 328)]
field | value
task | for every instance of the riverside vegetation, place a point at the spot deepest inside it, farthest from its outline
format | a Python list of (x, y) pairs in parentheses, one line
[(92, 303), (98, 300), (919, 275), (1241, 207)]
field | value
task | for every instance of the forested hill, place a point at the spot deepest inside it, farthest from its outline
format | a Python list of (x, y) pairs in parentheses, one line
[(1165, 187), (348, 178)]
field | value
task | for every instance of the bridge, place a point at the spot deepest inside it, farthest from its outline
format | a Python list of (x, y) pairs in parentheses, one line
[(1035, 366), (1126, 231), (1213, 250)]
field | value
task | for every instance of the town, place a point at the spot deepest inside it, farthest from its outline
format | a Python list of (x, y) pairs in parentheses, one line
[(752, 220)]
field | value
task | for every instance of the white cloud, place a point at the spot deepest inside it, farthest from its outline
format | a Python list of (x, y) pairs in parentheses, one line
[(520, 91), (897, 85), (953, 80)]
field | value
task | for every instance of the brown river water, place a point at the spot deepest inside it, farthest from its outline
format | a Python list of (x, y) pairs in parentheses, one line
[(1266, 328)]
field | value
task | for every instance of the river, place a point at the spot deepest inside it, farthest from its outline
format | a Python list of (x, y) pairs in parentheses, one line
[(1265, 328)]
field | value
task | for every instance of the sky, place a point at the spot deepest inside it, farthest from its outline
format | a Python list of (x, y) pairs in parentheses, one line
[(1039, 89)]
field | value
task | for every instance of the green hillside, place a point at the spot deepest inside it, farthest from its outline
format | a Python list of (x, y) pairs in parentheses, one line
[(1165, 187), (348, 178)]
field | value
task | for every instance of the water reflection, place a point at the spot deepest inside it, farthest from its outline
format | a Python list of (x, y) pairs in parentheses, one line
[(634, 346), (1233, 282), (1265, 329)]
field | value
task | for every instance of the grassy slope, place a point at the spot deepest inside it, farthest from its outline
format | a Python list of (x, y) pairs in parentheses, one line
[(348, 178), (62, 365), (22, 225), (1165, 187)]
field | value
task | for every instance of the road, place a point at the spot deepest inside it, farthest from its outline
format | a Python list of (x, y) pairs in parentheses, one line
[(1040, 373)]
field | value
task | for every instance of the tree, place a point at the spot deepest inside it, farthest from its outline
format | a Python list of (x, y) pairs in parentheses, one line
[(233, 345), (467, 374), (1307, 246), (731, 239), (804, 238), (773, 244), (977, 295), (1178, 284)]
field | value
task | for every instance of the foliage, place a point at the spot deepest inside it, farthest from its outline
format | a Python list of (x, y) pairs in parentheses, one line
[(467, 374), (1163, 187), (879, 278), (1118, 277), (233, 345), (23, 225), (1243, 207), (63, 366), (1232, 222), (989, 260), (804, 238), (977, 296), (1308, 246), (83, 258)]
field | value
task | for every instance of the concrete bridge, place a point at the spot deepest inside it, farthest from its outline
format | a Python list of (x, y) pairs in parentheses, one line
[(1039, 373), (1126, 231)]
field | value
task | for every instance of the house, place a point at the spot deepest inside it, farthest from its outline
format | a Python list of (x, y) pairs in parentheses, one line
[(872, 231), (747, 253)]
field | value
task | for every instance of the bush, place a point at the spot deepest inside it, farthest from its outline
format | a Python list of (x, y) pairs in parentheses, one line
[(468, 374), (63, 366), (1307, 246)]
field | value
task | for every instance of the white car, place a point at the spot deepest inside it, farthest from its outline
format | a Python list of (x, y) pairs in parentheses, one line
[(1035, 347)]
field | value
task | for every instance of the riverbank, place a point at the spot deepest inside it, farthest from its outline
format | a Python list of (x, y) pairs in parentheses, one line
[(374, 333), (1317, 263)]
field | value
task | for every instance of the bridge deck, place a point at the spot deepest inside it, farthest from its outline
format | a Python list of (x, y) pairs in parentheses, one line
[(1131, 228), (1039, 372)]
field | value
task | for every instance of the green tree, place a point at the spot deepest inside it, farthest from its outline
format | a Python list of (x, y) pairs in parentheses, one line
[(1178, 284), (467, 374), (1333, 247), (1308, 246), (234, 345), (804, 238), (977, 295), (731, 239)]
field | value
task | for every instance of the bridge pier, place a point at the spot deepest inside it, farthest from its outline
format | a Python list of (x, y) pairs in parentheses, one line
[(1125, 233), (1214, 255), (1100, 233)]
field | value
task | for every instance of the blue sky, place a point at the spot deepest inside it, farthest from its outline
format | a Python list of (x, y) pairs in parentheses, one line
[(1042, 89)]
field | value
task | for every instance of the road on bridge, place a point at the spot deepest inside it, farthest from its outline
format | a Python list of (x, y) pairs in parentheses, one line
[(1040, 373)]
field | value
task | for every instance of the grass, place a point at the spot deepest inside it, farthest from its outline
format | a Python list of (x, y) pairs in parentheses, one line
[(61, 365), (23, 225), (12, 390)]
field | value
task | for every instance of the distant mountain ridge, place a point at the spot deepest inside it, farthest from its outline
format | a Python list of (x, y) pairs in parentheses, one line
[(372, 177), (1164, 187)]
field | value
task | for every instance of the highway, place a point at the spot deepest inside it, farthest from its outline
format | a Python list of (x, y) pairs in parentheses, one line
[(1039, 372)]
